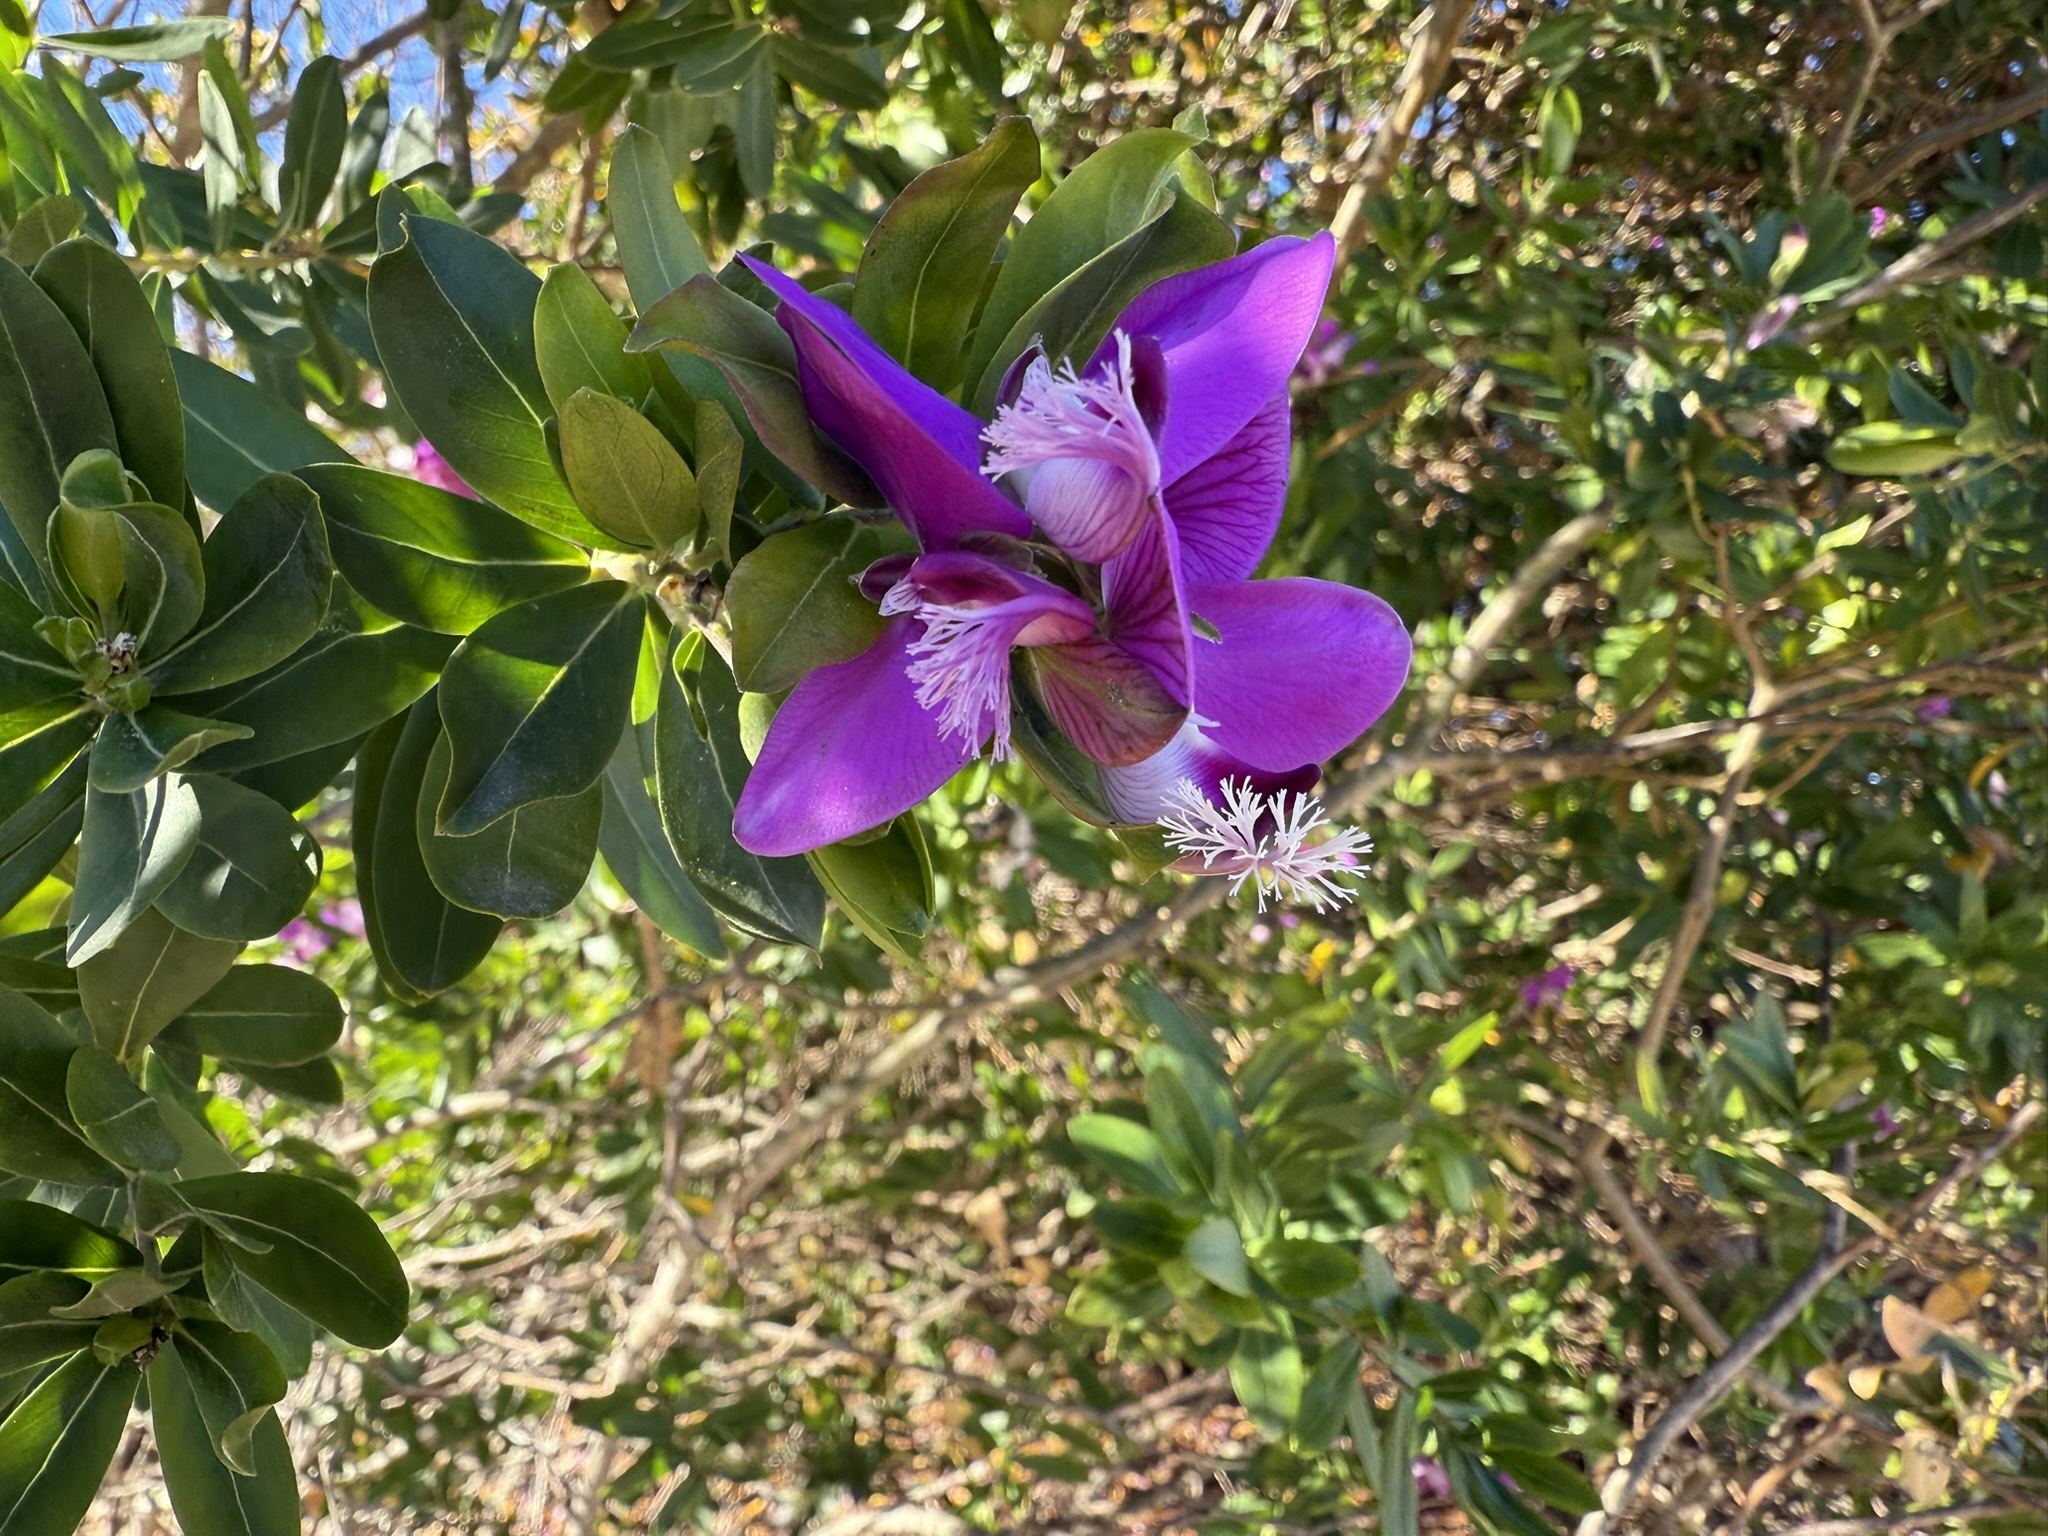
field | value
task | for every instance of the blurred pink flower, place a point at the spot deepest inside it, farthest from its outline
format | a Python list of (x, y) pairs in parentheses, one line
[(1540, 991), (302, 941), (1430, 1479), (345, 916), (1885, 1121), (429, 468), (1878, 219), (1935, 706), (1770, 320), (1327, 347)]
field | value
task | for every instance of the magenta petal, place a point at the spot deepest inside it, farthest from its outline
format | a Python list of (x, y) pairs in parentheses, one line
[(1231, 335), (921, 449), (1106, 701), (849, 749), (1140, 791), (1227, 508), (1299, 668), (1143, 608)]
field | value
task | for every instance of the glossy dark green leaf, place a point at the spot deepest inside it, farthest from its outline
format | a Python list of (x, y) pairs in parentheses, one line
[(636, 851), (579, 343), (237, 432), (795, 604), (51, 406), (1128, 1152), (534, 702), (234, 1379), (40, 834), (295, 782), (700, 47), (106, 306), (423, 942), (340, 685), (1266, 1374), (837, 74), (227, 161), (915, 292), (146, 978), (32, 963), (34, 1236), (754, 113), (1555, 1482), (56, 1445), (248, 1307), (116, 1116), (39, 1139), (133, 749), (697, 783), (885, 885), (1107, 196), (315, 1082), (251, 870), (655, 244), (206, 1494), (322, 1254), (453, 317), (28, 1334), (265, 1015), (37, 744), (314, 133), (157, 42), (44, 224), (164, 580), (758, 364), (1328, 1389), (132, 846), (1078, 312), (530, 863), (268, 579), (629, 480)]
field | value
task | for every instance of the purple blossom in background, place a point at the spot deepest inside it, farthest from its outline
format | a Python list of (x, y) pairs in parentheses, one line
[(1431, 1482), (1878, 219), (429, 468), (1327, 348), (1770, 320), (1541, 991), (345, 916), (302, 941), (1935, 706), (1885, 1123), (1157, 471)]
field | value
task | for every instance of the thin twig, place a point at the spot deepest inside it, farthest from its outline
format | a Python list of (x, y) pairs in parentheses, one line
[(383, 42), (1877, 42), (1912, 1519), (1951, 136)]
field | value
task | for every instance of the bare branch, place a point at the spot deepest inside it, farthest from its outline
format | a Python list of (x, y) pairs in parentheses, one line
[(1951, 136)]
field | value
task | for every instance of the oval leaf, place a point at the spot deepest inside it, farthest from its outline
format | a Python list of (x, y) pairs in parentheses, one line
[(263, 1015), (117, 1117), (57, 1443), (795, 605), (625, 475), (252, 870), (530, 863)]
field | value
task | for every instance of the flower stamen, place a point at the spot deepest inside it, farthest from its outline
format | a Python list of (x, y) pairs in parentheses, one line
[(961, 665), (1265, 839)]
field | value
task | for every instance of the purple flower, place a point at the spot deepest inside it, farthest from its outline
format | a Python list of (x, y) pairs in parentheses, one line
[(345, 916), (1770, 320), (302, 941), (1541, 991), (1878, 219), (1154, 477), (1886, 1123), (1934, 707), (1327, 348), (1431, 1482), (429, 468)]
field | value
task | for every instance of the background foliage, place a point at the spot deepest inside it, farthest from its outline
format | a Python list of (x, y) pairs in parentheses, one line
[(1663, 1121)]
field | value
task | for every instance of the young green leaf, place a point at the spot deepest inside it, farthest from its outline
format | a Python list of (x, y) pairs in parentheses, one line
[(315, 132), (133, 749), (579, 343), (625, 475)]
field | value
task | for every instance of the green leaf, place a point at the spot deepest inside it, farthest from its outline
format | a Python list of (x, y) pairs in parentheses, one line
[(56, 1445), (364, 146), (452, 315), (1073, 318), (1128, 1152), (158, 42), (248, 1307), (322, 1254), (432, 558), (36, 1237), (52, 409), (535, 700), (252, 870), (655, 244), (37, 745), (884, 884), (972, 41), (721, 453), (1217, 1253), (795, 604), (340, 685), (636, 851), (237, 432), (754, 141), (205, 1494), (1149, 1229), (39, 1139), (262, 1015), (106, 306), (694, 43), (117, 1117), (164, 588), (630, 482), (1555, 1482), (269, 578), (28, 1334), (1558, 121), (314, 133), (919, 276), (697, 783), (1387, 1455), (234, 1380), (133, 749), (836, 74), (579, 343), (1113, 192), (1301, 1269), (1329, 1387), (227, 162), (530, 863), (1892, 449), (44, 224), (132, 846), (149, 976), (758, 364), (1266, 1375), (423, 942), (40, 835)]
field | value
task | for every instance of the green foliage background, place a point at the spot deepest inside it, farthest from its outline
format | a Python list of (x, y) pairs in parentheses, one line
[(1693, 416)]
